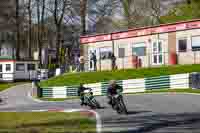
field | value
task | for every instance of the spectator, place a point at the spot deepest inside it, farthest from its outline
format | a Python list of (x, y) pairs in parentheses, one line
[(91, 61), (113, 60), (81, 63), (94, 59), (76, 60)]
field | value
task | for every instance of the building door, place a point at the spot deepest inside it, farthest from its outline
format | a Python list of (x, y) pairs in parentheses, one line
[(157, 53), (139, 50)]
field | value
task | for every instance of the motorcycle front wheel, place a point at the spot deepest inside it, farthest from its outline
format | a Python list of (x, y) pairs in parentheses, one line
[(122, 106), (94, 104)]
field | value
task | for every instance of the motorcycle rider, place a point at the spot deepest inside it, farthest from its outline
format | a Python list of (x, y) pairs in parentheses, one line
[(81, 90), (113, 89)]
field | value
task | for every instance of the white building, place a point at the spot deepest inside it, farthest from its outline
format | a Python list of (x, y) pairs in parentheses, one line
[(169, 44), (11, 70)]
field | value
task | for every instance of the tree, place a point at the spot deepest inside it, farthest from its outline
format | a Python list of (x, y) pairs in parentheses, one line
[(83, 10), (43, 19), (127, 11), (133, 14), (58, 13), (38, 29), (20, 23), (188, 2), (40, 26), (30, 27), (139, 13), (155, 10), (17, 29), (183, 12)]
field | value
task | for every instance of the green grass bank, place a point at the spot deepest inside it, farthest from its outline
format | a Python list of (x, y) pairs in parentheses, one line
[(4, 86), (94, 77), (44, 122)]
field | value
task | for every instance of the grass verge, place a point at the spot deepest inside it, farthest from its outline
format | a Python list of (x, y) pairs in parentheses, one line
[(44, 122), (94, 77), (4, 86)]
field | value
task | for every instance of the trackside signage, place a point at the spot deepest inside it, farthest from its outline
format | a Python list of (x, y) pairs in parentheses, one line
[(142, 32), (95, 38)]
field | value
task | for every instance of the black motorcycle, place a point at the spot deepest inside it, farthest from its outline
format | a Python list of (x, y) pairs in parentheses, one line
[(118, 104)]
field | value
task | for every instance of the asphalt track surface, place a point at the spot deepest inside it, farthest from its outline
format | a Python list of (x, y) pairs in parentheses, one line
[(148, 113)]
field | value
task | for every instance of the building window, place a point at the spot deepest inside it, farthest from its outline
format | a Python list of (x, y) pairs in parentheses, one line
[(182, 45), (160, 47), (8, 67), (139, 51), (160, 58), (196, 43), (31, 67), (155, 58), (155, 46), (20, 67), (121, 52), (1, 68), (157, 52), (105, 53)]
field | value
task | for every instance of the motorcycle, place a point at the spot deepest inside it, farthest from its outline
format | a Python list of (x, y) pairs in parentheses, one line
[(118, 104), (90, 100)]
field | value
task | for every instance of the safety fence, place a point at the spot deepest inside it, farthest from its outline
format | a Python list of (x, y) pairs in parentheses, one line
[(181, 81)]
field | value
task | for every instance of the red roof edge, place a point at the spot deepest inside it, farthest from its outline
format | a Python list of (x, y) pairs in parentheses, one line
[(140, 28)]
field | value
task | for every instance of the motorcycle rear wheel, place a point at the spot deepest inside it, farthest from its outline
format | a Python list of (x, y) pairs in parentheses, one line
[(94, 104), (120, 106)]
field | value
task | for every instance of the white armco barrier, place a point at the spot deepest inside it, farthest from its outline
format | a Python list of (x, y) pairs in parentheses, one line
[(59, 92), (134, 85), (179, 81)]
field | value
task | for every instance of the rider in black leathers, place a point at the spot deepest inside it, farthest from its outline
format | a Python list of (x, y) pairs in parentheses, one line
[(81, 89), (113, 90)]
